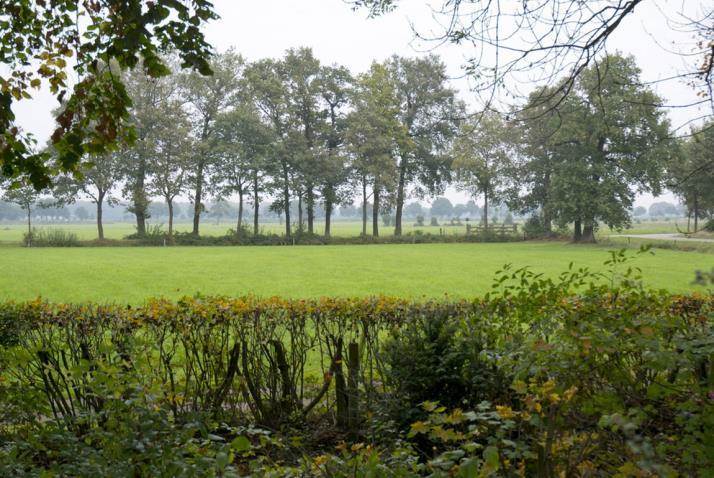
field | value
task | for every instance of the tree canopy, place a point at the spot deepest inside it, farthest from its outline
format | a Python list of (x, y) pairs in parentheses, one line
[(49, 42)]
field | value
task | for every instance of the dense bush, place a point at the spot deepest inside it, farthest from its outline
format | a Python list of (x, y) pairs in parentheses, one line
[(583, 375), (434, 358), (533, 227)]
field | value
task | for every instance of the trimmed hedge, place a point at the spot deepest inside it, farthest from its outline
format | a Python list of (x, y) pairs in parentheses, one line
[(614, 379)]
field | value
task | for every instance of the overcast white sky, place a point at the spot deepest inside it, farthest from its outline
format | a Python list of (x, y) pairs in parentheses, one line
[(266, 28)]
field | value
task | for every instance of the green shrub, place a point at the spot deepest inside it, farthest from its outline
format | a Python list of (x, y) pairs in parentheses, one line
[(435, 358), (154, 236), (533, 227), (50, 238)]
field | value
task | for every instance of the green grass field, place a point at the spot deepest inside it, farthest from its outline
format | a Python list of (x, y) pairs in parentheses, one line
[(131, 274)]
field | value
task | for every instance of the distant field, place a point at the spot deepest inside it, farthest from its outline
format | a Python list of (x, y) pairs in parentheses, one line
[(131, 274), (12, 233), (650, 227)]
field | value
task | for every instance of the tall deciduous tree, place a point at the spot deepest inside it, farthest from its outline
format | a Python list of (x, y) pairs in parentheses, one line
[(170, 164), (584, 157), (152, 115), (241, 144), (613, 144), (429, 112), (692, 174), (335, 88), (536, 148), (375, 135), (206, 97), (265, 82), (303, 81)]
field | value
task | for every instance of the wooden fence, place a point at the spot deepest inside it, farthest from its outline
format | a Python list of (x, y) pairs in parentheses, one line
[(496, 228)]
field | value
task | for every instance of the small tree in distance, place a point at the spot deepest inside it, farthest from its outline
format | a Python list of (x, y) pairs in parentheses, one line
[(480, 157), (96, 182), (442, 207), (26, 197)]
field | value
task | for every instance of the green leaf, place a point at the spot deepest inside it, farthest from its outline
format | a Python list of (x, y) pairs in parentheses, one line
[(241, 444), (490, 457)]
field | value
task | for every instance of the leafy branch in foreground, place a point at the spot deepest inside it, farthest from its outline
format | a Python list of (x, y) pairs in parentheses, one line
[(49, 42)]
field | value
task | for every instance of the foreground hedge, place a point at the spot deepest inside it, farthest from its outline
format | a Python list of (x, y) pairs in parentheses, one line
[(612, 380)]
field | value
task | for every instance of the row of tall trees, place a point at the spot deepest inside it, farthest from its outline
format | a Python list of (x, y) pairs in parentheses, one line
[(280, 131)]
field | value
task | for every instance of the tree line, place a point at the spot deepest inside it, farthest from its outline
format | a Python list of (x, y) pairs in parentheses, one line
[(276, 132)]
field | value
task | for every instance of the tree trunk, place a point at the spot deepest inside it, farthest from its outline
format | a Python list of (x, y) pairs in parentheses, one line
[(578, 231), (197, 198), (141, 202), (375, 212), (328, 216), (547, 219), (100, 226), (353, 414), (198, 206), (696, 214), (140, 209), (547, 223), (170, 204), (400, 197), (310, 209), (364, 206), (588, 232), (240, 211), (300, 223), (29, 221), (140, 223), (256, 205), (286, 199), (485, 211)]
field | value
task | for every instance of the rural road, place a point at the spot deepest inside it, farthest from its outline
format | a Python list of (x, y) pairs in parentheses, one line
[(666, 237)]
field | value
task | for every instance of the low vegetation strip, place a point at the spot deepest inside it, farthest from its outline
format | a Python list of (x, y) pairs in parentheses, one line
[(61, 238), (531, 380)]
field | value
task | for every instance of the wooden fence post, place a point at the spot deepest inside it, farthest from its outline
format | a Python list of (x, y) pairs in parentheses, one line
[(341, 397), (353, 387)]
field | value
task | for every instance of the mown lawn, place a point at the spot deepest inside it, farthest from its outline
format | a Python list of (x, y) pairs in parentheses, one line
[(131, 274)]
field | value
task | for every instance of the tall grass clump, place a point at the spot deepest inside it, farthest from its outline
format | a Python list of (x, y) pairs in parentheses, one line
[(50, 238)]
